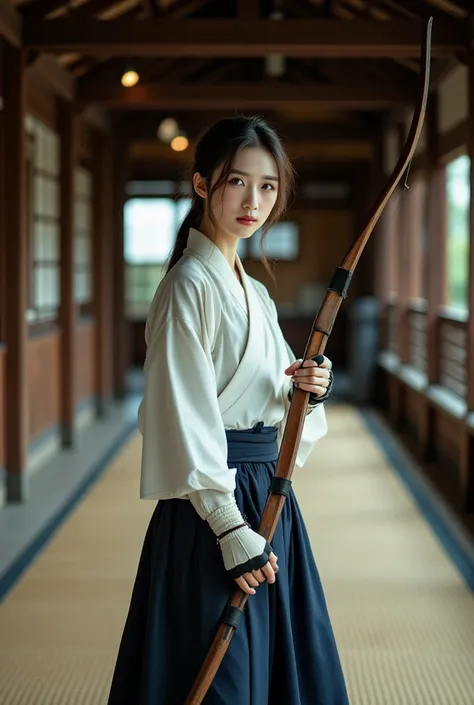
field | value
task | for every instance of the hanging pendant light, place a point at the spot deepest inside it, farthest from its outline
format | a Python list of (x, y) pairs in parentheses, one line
[(129, 78)]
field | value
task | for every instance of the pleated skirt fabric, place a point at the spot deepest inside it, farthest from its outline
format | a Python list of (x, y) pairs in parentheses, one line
[(284, 651)]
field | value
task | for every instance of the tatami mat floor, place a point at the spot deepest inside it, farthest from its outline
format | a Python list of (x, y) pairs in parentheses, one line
[(403, 617)]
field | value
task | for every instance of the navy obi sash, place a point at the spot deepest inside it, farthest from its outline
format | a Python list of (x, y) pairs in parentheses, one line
[(254, 445)]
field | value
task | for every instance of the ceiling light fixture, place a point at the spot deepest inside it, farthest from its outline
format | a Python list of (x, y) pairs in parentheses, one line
[(130, 78), (179, 143), (168, 129)]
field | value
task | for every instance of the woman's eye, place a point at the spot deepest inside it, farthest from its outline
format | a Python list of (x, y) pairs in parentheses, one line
[(270, 187), (235, 181)]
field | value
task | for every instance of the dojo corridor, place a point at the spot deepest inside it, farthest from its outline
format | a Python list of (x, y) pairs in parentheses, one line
[(402, 613)]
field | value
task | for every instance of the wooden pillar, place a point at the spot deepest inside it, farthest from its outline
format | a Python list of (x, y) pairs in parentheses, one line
[(120, 337), (102, 268), (437, 241), (403, 255), (470, 329), (16, 441), (381, 275), (384, 234), (467, 460), (436, 203), (67, 314), (414, 244)]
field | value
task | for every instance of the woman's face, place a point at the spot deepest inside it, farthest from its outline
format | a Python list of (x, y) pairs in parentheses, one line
[(242, 205)]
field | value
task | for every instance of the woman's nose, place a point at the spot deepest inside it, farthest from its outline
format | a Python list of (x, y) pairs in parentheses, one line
[(251, 200)]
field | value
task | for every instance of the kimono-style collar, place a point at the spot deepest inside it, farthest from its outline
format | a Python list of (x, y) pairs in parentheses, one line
[(234, 393), (200, 244)]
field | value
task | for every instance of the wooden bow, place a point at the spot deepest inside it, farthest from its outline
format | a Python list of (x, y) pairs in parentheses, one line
[(320, 333)]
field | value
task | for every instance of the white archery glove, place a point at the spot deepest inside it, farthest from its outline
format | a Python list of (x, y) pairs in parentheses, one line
[(243, 549)]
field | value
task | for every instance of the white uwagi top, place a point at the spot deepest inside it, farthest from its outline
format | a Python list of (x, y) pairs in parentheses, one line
[(215, 360)]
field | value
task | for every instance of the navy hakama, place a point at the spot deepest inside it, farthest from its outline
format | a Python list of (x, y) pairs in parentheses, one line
[(284, 651)]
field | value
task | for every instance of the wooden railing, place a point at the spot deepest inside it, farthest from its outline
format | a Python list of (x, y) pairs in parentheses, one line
[(452, 340), (418, 337), (392, 323), (453, 355)]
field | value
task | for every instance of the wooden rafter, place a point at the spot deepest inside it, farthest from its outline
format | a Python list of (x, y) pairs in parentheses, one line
[(248, 96), (91, 8), (364, 10), (10, 23), (40, 8), (416, 8), (449, 6), (237, 38), (100, 8)]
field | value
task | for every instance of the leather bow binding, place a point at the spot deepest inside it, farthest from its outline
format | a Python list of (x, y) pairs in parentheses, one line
[(321, 330)]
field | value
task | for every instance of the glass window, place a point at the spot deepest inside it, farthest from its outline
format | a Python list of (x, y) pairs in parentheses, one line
[(282, 242), (457, 188), (43, 168), (150, 228)]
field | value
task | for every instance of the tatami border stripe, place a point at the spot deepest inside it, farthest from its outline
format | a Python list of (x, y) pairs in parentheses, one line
[(16, 569), (442, 521)]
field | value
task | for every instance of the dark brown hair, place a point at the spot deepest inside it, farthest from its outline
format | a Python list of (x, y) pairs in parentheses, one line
[(219, 145)]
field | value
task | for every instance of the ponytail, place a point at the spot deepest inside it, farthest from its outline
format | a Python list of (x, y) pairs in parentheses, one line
[(192, 220)]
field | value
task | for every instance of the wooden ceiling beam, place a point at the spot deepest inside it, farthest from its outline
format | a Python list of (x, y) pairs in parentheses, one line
[(143, 126), (246, 96), (449, 6), (299, 152), (176, 11), (183, 8), (91, 8), (418, 8), (10, 23), (312, 170), (40, 8), (239, 38)]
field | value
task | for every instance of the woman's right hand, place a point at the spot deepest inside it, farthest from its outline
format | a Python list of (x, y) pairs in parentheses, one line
[(248, 557), (249, 581)]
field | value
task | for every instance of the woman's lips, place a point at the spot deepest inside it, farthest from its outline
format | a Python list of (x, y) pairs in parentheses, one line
[(247, 221)]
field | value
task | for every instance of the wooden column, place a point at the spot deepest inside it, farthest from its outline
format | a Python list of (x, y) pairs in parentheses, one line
[(68, 314), (403, 255), (102, 268), (414, 245), (436, 203), (467, 456), (381, 275), (16, 441), (384, 235), (120, 337), (370, 186), (470, 329)]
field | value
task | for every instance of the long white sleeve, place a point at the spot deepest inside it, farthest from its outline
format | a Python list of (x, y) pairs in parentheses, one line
[(184, 441)]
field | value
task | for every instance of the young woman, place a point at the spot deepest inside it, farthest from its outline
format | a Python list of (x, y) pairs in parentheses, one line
[(218, 382)]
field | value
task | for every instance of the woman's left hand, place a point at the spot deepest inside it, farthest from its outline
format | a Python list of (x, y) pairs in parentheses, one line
[(310, 376)]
